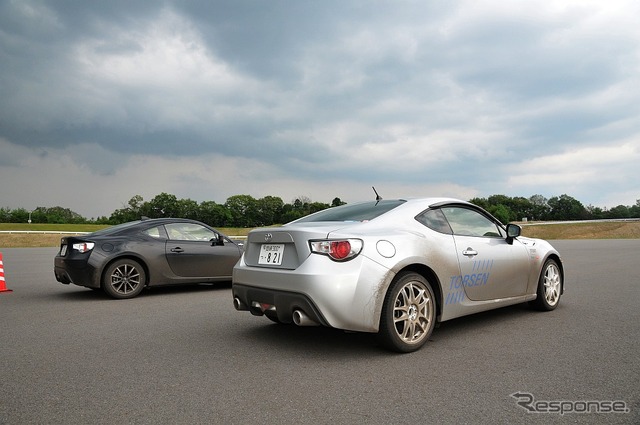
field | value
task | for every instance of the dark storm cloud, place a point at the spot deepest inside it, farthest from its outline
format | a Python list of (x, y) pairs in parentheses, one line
[(411, 93)]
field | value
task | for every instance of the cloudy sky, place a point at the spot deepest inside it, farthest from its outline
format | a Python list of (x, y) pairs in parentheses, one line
[(101, 101)]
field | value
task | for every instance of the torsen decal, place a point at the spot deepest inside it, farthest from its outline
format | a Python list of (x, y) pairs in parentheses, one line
[(457, 284)]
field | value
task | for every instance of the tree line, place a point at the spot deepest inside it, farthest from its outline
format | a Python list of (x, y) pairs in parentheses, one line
[(237, 211), (557, 208), (247, 211)]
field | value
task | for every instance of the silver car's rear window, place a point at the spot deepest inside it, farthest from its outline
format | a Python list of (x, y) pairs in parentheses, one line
[(353, 212)]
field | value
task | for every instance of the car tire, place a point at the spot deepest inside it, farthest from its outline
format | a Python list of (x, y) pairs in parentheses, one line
[(408, 313), (549, 287), (123, 279)]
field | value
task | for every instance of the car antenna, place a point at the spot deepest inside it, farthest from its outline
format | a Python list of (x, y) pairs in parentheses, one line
[(378, 197)]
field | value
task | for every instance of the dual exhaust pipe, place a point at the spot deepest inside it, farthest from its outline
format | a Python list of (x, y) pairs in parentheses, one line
[(300, 318), (239, 305)]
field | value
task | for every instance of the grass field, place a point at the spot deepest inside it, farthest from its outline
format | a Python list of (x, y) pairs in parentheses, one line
[(585, 230)]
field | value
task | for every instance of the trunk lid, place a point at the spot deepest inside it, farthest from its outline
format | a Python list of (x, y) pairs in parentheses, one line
[(284, 247)]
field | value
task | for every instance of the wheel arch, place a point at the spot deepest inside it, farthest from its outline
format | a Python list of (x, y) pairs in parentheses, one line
[(556, 258), (129, 256), (428, 273)]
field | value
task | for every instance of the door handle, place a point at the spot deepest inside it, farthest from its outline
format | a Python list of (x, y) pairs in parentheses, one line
[(469, 252), (177, 249)]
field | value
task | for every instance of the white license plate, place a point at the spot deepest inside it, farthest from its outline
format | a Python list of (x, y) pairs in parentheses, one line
[(63, 251), (271, 254)]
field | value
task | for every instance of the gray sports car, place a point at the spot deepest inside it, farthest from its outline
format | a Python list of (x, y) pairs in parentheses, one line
[(393, 267), (122, 260)]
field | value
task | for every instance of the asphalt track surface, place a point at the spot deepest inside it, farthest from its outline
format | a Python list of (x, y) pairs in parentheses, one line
[(69, 355)]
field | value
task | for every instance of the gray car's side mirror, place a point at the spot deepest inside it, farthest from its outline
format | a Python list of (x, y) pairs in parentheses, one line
[(217, 241)]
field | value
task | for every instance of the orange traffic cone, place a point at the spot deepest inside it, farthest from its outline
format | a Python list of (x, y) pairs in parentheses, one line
[(3, 285)]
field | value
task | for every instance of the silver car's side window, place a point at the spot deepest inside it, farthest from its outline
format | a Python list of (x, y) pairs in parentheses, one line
[(467, 222), (434, 220), (189, 232)]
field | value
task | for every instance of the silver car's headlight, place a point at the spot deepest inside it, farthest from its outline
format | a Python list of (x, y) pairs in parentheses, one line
[(337, 250)]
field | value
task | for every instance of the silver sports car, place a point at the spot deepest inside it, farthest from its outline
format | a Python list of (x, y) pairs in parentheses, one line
[(393, 267)]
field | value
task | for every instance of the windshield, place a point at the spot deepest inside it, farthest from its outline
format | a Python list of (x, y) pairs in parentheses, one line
[(356, 212)]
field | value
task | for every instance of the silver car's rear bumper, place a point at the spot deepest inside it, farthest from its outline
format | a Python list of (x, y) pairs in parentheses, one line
[(344, 295)]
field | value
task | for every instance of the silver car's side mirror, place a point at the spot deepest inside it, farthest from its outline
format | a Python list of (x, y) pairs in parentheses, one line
[(513, 231)]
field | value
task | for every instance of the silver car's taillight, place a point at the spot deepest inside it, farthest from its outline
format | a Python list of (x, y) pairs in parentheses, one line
[(338, 250)]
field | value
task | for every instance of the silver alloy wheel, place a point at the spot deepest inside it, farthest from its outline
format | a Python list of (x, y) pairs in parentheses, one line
[(125, 279), (551, 284), (413, 312)]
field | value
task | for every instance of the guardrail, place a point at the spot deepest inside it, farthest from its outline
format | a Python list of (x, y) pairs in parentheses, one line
[(604, 220), (43, 232), (521, 223), (57, 232)]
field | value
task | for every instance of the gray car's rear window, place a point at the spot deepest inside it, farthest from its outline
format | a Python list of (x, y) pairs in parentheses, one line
[(356, 212)]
